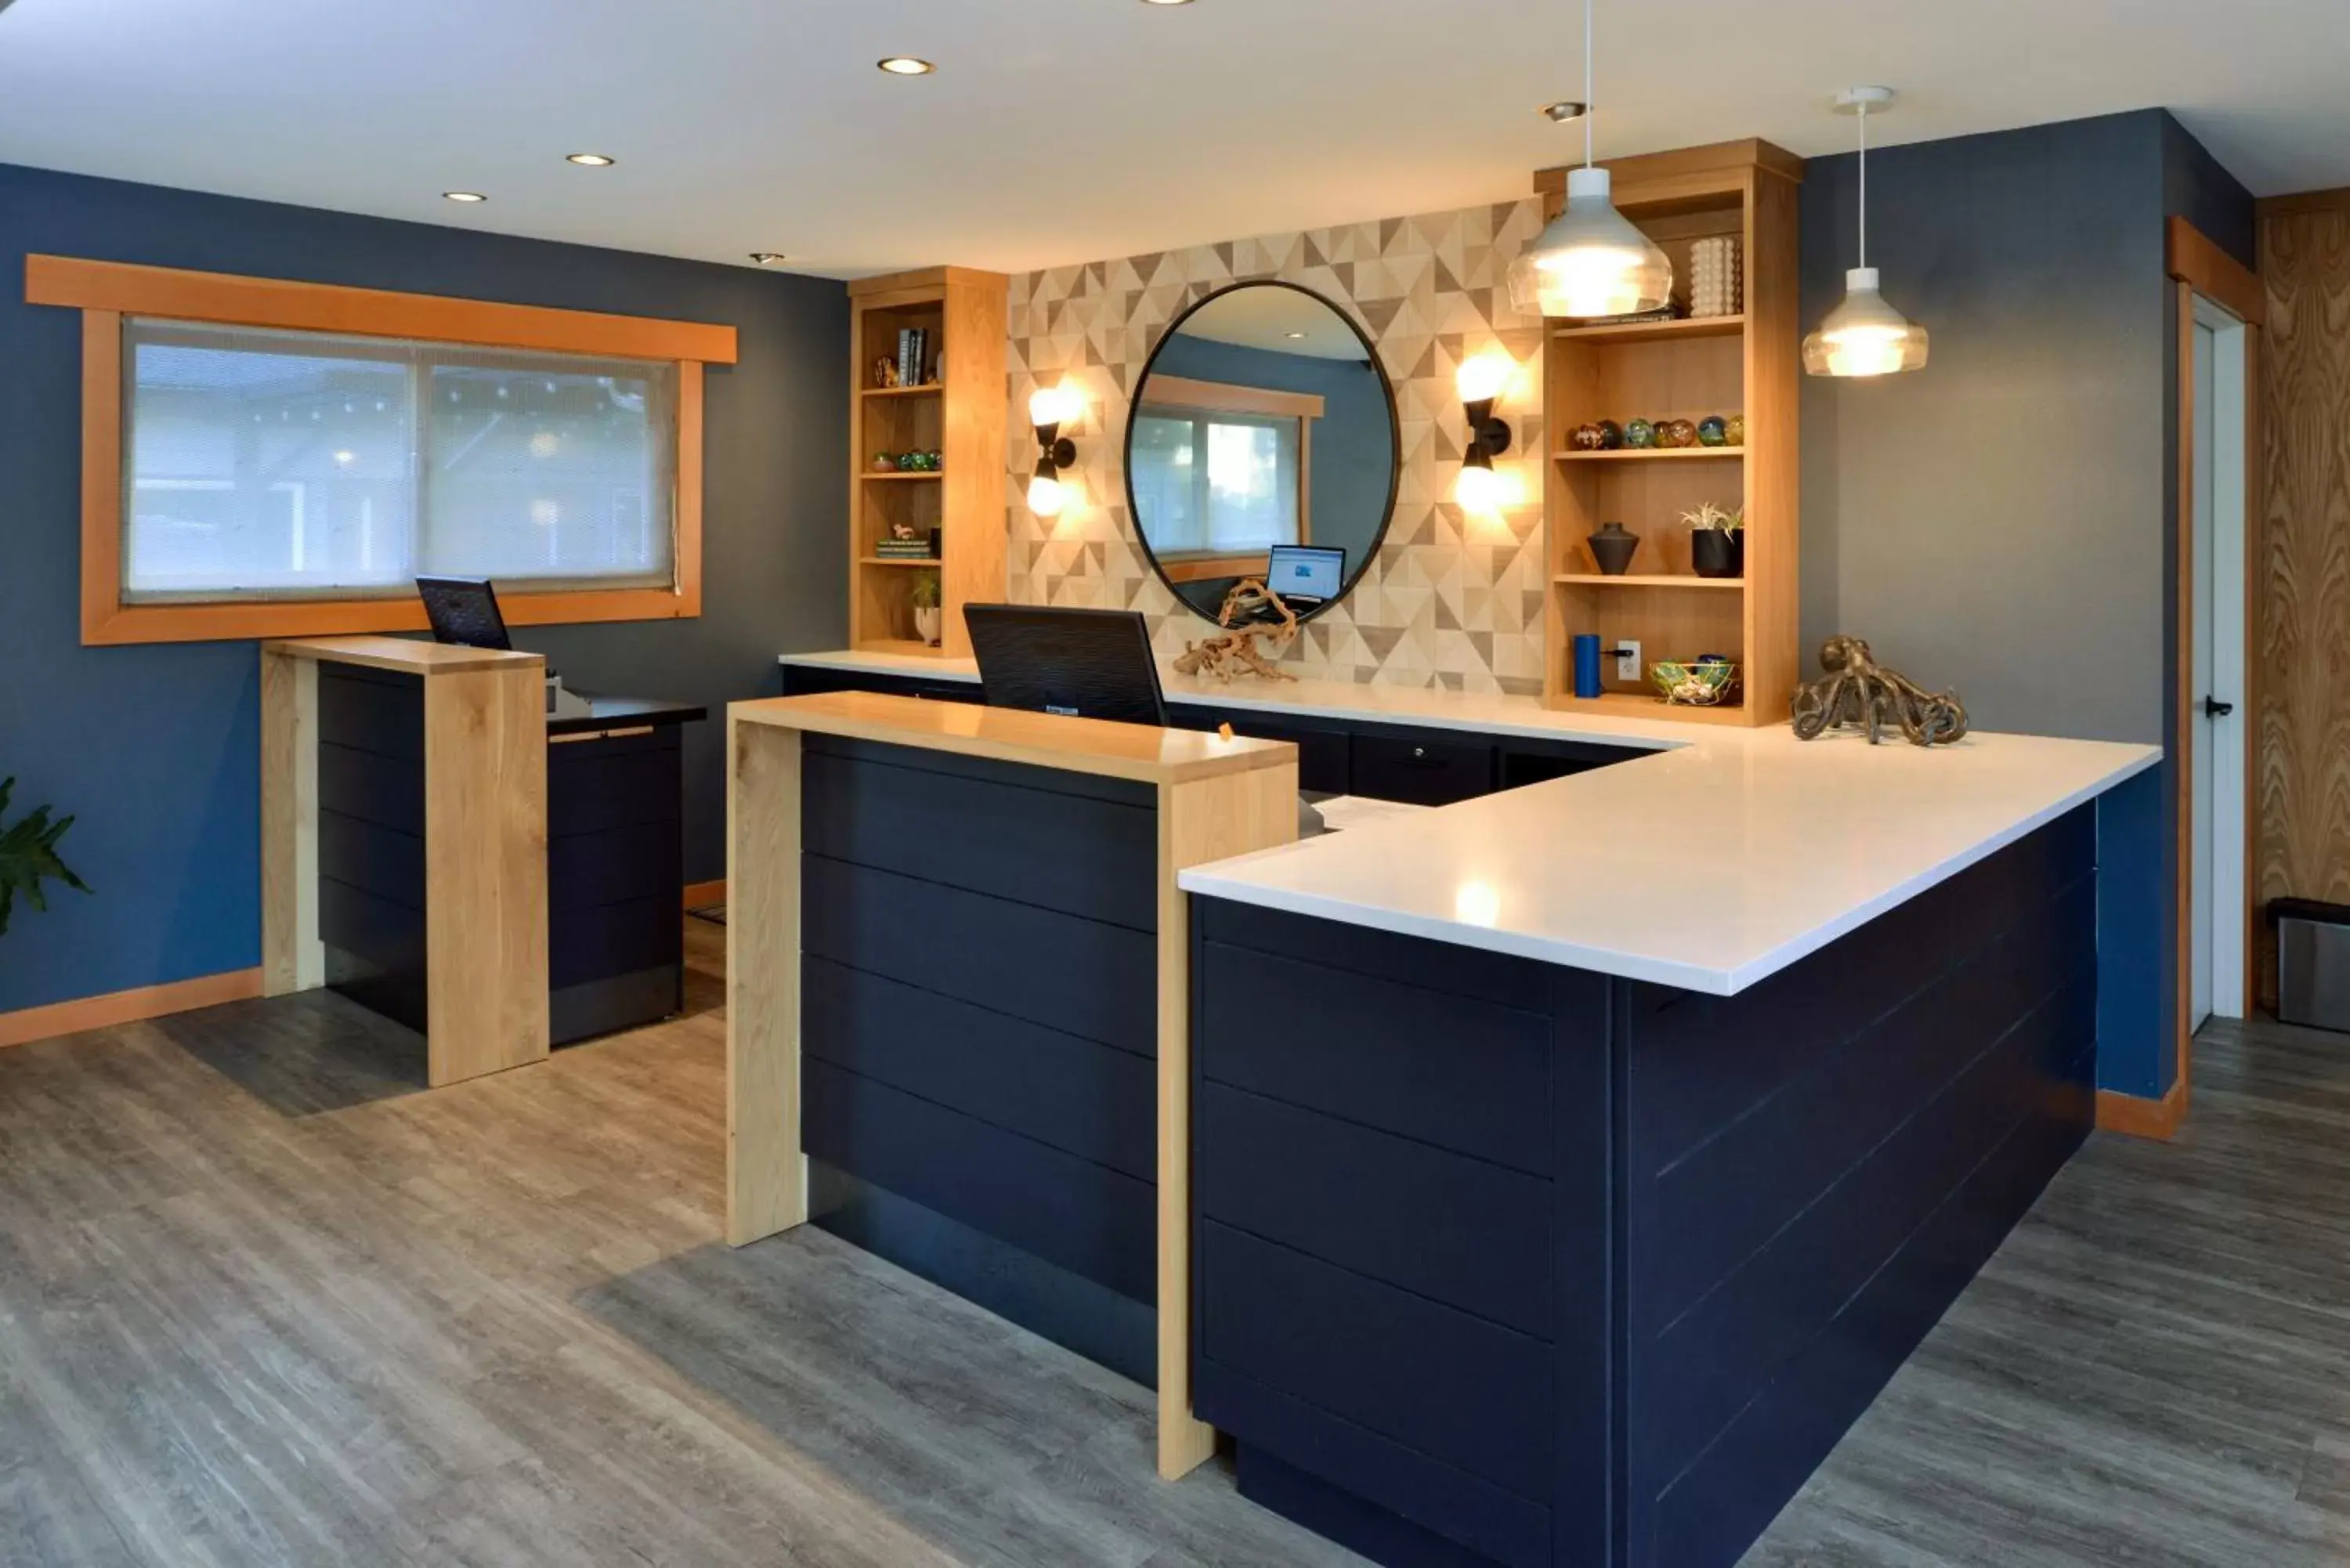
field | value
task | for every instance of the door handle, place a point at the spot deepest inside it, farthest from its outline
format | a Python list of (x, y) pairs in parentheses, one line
[(2215, 709)]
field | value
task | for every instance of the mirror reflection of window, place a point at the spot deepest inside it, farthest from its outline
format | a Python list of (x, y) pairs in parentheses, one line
[(1220, 484)]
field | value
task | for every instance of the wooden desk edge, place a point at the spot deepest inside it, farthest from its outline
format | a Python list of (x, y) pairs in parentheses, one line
[(1036, 740), (404, 654)]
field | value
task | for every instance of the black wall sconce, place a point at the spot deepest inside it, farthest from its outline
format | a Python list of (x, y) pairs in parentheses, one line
[(1050, 408), (1481, 381)]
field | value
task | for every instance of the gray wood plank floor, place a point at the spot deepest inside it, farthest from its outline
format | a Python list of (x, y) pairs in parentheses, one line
[(263, 1302)]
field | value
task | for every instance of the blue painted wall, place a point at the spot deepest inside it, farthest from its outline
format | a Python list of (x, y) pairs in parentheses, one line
[(2005, 520), (1354, 450), (156, 750)]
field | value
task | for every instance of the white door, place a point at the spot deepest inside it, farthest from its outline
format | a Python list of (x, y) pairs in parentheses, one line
[(2217, 723)]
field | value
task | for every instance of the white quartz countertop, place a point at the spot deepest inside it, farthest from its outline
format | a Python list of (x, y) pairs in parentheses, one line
[(1715, 863)]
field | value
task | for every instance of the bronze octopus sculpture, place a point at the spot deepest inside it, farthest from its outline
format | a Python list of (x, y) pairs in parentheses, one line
[(1857, 692)]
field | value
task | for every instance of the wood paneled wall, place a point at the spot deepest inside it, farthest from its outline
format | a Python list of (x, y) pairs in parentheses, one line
[(2304, 633)]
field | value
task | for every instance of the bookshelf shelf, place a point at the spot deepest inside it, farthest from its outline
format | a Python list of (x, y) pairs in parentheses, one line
[(960, 414), (1685, 368)]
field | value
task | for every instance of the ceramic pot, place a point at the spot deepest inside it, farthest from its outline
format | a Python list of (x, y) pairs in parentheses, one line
[(1715, 554), (927, 623), (1612, 548)]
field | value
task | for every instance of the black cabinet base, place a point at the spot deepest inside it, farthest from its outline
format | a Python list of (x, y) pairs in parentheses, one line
[(1068, 1309), (582, 1011), (1343, 1517)]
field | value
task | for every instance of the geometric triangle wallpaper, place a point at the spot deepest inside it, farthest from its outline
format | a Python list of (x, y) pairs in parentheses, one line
[(1450, 600)]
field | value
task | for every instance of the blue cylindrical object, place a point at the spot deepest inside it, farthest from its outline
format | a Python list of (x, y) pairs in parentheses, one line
[(1587, 664)]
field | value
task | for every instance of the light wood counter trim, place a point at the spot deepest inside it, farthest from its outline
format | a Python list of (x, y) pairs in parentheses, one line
[(292, 957), (1199, 820), (1093, 746), (406, 655), (767, 1175), (485, 871)]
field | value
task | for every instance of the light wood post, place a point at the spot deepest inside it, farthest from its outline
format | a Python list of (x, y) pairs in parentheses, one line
[(485, 871), (1199, 820), (292, 956), (766, 1174)]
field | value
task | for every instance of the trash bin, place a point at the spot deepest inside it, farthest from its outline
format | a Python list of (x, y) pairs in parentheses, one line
[(2312, 962)]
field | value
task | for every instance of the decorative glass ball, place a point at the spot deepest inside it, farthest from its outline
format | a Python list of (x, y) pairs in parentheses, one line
[(1639, 435), (1712, 431)]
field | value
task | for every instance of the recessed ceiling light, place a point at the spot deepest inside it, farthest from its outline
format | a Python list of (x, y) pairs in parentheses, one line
[(588, 160), (464, 196), (906, 66), (1165, 1), (1559, 113), (769, 258)]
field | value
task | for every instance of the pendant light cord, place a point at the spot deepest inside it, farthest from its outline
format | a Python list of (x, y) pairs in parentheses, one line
[(1864, 184), (1590, 108)]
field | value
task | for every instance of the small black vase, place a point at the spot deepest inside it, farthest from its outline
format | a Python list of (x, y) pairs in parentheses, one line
[(1612, 547), (1715, 554)]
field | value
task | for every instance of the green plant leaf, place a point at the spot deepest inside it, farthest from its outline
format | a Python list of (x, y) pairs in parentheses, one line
[(29, 855)]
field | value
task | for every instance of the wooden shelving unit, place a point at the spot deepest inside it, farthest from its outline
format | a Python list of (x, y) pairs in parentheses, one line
[(958, 413), (1683, 369)]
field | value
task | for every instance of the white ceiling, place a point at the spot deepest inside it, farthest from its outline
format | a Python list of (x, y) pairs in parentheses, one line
[(1061, 130)]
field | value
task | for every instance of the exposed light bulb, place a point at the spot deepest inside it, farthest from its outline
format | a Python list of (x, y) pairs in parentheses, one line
[(1054, 405), (1482, 378), (1480, 489), (1046, 495)]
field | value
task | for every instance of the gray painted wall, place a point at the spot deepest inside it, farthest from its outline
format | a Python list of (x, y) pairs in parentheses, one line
[(1996, 522)]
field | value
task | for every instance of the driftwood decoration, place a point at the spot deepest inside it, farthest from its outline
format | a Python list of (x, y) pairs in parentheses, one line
[(1857, 692), (1234, 653)]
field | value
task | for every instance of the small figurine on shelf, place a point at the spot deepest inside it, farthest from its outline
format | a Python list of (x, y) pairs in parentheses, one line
[(884, 373), (883, 463)]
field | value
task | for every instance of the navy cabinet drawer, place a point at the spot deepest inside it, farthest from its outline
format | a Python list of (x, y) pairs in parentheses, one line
[(1446, 1069), (1467, 1393), (1421, 770), (1455, 1230)]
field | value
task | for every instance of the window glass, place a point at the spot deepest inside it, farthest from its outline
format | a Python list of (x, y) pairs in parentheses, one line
[(275, 464)]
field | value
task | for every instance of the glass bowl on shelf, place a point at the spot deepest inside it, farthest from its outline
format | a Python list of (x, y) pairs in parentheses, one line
[(1699, 683)]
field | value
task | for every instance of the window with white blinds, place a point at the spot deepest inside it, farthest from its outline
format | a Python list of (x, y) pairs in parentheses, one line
[(262, 464)]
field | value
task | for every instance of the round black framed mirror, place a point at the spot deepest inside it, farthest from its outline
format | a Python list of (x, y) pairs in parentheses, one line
[(1263, 443)]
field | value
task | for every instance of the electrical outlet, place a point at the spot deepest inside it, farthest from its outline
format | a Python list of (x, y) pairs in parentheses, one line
[(1627, 658)]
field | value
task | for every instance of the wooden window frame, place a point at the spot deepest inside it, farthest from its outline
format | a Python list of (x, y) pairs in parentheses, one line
[(107, 292)]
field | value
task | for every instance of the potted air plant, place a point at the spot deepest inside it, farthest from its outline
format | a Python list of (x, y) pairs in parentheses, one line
[(1717, 541), (925, 595), (29, 855)]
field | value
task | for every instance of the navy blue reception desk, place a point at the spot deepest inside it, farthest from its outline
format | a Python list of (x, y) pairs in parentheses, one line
[(1501, 1261), (958, 1029)]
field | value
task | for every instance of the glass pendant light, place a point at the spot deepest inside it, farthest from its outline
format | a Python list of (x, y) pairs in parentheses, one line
[(1590, 261), (1864, 336)]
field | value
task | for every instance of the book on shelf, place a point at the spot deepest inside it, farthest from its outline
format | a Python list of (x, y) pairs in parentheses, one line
[(914, 356), (903, 550)]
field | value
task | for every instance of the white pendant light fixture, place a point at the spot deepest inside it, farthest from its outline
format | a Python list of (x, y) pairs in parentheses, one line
[(1864, 336), (1590, 261)]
